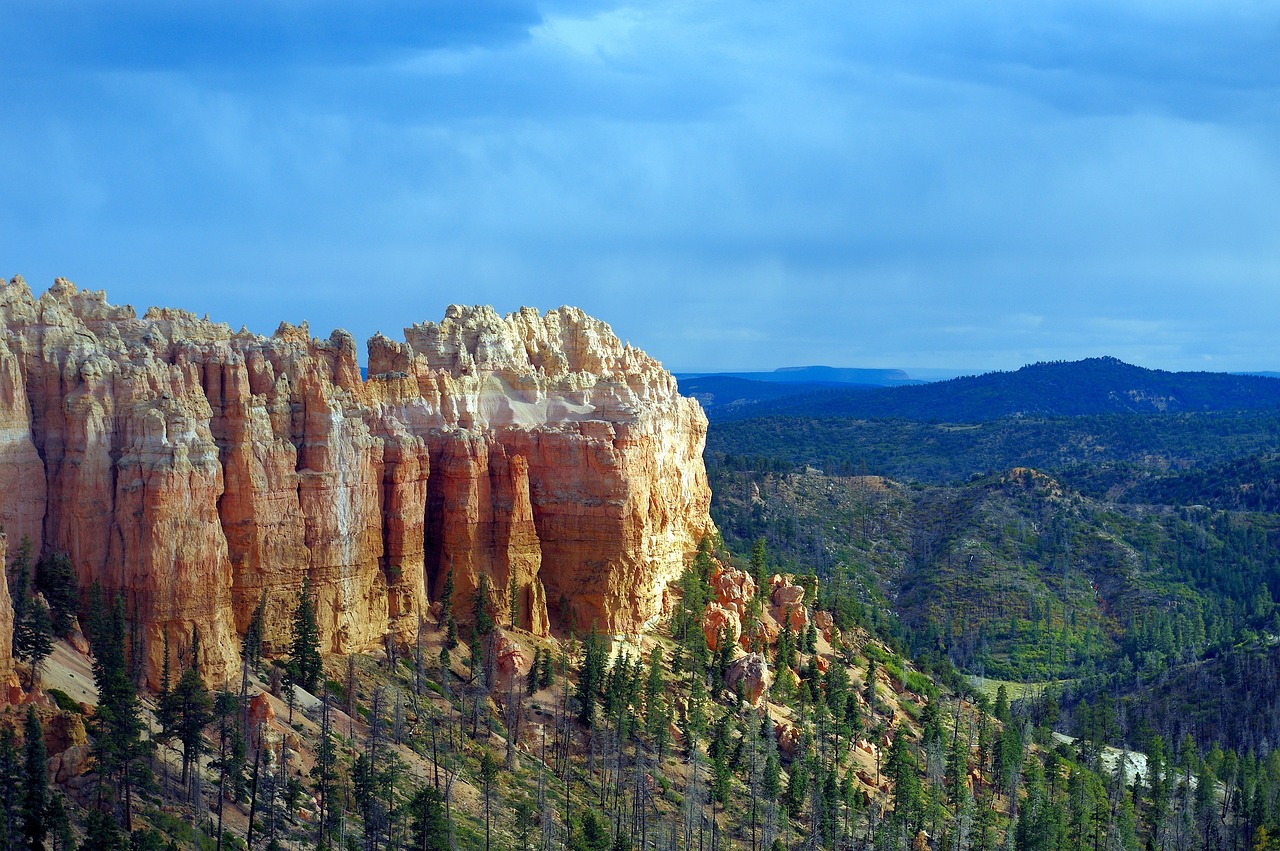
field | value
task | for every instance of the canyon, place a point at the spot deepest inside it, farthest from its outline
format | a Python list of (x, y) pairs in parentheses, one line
[(201, 472)]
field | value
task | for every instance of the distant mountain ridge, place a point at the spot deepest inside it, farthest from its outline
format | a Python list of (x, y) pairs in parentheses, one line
[(1103, 385), (816, 375), (733, 395)]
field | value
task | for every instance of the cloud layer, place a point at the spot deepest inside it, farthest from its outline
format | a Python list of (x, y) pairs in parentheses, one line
[(732, 185)]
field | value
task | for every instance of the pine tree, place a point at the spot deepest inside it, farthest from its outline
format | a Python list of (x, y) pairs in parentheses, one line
[(32, 625), (488, 774), (811, 638), (759, 564), (192, 708), (33, 639), (58, 822), (229, 762), (797, 786), (430, 827), (905, 774), (251, 647), (481, 617), (35, 798), (19, 577), (531, 681), (525, 812), (591, 833), (547, 674), (591, 677), (101, 833), (1001, 710), (446, 612), (304, 650), (12, 782), (117, 725), (56, 580)]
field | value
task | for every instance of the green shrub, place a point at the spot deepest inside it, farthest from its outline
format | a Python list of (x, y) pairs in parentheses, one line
[(873, 651), (65, 702)]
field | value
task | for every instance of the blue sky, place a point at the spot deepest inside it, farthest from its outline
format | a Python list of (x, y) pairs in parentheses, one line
[(732, 185)]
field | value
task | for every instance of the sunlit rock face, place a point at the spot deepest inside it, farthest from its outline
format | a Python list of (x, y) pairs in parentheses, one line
[(199, 471), (7, 678)]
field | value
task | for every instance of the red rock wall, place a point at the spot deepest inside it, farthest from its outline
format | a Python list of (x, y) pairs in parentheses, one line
[(198, 471)]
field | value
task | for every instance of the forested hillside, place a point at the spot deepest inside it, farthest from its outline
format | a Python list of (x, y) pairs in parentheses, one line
[(1057, 389)]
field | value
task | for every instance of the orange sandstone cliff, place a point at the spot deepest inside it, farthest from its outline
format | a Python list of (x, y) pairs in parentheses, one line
[(198, 470)]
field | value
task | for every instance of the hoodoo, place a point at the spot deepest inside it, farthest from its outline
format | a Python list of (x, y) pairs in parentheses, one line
[(198, 471)]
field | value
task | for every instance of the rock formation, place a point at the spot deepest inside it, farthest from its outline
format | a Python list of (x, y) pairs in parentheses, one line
[(788, 604), (7, 677), (198, 471), (732, 591), (750, 674)]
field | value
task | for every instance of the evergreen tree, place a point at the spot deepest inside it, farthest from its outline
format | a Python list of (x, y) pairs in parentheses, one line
[(230, 759), (759, 564), (101, 833), (797, 788), (58, 822), (488, 774), (192, 708), (591, 677), (904, 772), (811, 638), (531, 680), (12, 783), (117, 724), (33, 639), (304, 650), (430, 827), (547, 673), (251, 647), (32, 624), (869, 684), (56, 580), (480, 604), (591, 833), (1001, 710), (656, 717), (446, 611), (35, 798), (524, 814), (166, 715), (19, 577)]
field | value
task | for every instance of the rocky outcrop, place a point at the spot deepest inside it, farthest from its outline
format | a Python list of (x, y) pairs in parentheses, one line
[(750, 676), (512, 659), (732, 590), (718, 622), (788, 604), (7, 677), (200, 471)]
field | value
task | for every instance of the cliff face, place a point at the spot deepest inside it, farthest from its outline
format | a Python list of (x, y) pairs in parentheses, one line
[(199, 470)]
